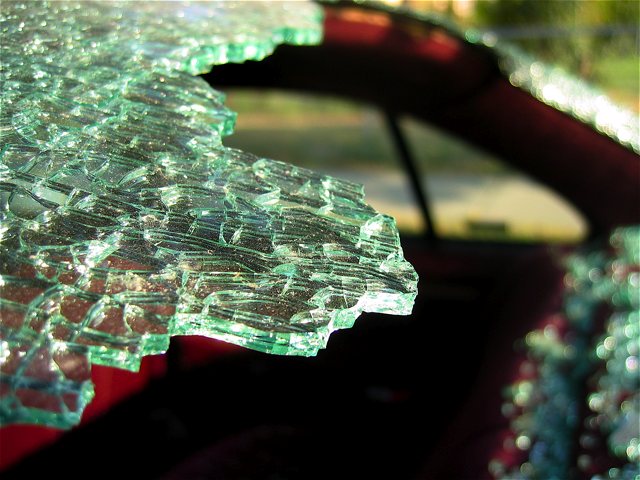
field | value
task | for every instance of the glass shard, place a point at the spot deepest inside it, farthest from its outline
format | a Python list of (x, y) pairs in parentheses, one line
[(126, 221)]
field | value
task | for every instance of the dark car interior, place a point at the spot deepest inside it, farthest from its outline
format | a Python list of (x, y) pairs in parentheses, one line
[(393, 397)]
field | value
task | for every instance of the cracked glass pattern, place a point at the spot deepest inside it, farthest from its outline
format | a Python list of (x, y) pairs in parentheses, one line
[(124, 219)]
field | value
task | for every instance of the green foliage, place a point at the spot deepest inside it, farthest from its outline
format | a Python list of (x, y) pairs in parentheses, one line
[(565, 31)]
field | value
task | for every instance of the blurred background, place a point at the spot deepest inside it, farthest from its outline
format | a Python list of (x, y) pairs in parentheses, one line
[(472, 195)]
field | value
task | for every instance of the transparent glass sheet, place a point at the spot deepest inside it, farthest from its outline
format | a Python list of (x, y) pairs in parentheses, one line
[(124, 220)]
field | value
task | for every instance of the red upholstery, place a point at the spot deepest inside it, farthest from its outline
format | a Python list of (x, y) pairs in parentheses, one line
[(528, 298)]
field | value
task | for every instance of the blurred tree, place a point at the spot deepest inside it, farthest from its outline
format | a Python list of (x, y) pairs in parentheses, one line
[(573, 33)]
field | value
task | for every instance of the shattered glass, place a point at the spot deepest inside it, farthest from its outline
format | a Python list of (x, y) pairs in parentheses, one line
[(124, 220)]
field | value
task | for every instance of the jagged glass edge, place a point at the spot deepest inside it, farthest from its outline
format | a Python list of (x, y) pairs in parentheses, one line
[(242, 52), (15, 413), (197, 64), (551, 85), (246, 51), (306, 343)]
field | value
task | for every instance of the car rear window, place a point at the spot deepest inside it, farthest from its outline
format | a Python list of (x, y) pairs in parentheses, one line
[(471, 194)]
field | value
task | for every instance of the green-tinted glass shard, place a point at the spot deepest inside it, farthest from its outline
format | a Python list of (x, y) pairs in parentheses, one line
[(126, 221)]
